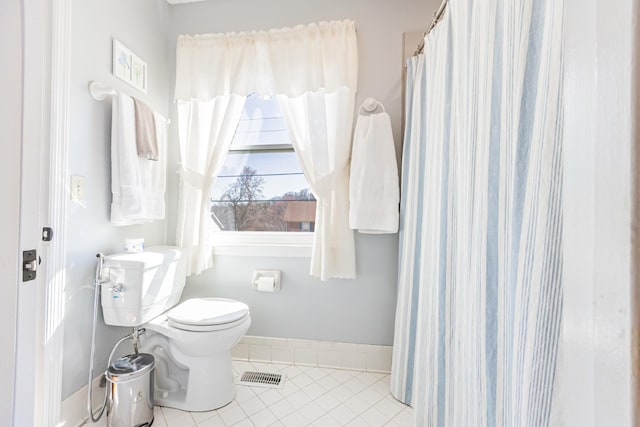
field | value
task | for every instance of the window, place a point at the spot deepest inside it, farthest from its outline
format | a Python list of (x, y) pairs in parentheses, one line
[(261, 190)]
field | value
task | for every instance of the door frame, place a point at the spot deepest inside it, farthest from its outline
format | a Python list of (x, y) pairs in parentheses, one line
[(58, 196)]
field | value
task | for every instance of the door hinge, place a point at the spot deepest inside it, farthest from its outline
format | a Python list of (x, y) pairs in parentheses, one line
[(30, 263)]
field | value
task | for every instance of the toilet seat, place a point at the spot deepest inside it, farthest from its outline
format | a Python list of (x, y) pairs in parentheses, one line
[(207, 314)]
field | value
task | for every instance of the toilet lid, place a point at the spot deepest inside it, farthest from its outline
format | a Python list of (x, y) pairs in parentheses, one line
[(208, 311)]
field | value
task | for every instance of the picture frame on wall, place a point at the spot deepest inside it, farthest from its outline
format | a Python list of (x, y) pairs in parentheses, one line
[(128, 66)]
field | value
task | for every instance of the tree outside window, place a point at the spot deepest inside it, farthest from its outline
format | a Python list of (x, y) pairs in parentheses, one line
[(243, 207)]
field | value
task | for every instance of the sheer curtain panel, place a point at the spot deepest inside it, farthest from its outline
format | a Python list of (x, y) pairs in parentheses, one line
[(205, 131), (320, 124)]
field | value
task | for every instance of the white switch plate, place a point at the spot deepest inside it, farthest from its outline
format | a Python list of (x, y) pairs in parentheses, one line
[(77, 188)]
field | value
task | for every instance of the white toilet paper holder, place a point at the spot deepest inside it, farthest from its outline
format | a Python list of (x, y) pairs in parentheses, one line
[(267, 274)]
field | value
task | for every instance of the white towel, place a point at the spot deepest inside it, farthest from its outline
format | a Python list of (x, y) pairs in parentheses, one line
[(137, 184), (373, 187)]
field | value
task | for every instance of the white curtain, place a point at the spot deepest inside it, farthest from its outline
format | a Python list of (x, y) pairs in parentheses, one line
[(205, 131), (320, 125), (480, 294), (287, 61), (313, 70)]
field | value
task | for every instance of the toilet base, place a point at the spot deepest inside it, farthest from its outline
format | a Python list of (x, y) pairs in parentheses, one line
[(210, 385), (193, 369)]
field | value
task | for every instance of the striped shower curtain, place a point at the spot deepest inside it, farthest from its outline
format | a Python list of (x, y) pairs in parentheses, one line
[(480, 294)]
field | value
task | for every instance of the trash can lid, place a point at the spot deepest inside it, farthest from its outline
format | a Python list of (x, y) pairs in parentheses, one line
[(130, 366)]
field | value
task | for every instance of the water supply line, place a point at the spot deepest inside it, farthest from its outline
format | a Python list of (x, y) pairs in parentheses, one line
[(134, 336), (97, 284)]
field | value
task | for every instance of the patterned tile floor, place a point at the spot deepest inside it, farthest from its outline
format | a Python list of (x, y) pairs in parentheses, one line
[(318, 397)]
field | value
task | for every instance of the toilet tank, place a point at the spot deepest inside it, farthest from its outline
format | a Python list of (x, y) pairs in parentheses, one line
[(142, 285)]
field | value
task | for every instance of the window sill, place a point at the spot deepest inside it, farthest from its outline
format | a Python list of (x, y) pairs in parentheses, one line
[(263, 244)]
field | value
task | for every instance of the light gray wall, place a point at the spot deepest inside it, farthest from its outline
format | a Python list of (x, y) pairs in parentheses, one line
[(141, 25), (361, 310)]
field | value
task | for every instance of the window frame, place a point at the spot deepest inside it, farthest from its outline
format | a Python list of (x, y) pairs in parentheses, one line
[(263, 243)]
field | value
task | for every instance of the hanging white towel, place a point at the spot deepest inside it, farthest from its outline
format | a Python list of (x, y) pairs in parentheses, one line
[(137, 184), (373, 187)]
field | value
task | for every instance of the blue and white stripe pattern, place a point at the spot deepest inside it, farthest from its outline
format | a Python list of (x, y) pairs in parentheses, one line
[(480, 294)]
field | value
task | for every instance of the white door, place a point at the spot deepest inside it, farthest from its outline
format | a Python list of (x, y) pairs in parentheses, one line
[(24, 120), (11, 125), (28, 395)]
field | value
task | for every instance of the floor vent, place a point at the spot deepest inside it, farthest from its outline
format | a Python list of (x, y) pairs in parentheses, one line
[(262, 379)]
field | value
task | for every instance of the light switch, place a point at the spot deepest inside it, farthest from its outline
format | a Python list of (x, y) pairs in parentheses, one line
[(77, 188)]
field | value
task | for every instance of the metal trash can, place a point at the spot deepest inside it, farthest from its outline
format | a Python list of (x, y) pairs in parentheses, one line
[(131, 391)]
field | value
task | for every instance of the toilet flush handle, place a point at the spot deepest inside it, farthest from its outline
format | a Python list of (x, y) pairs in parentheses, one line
[(117, 289)]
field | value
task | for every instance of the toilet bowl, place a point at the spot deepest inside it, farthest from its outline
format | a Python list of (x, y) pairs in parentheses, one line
[(197, 352), (190, 341)]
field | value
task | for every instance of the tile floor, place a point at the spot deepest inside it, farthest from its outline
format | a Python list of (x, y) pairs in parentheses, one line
[(319, 397)]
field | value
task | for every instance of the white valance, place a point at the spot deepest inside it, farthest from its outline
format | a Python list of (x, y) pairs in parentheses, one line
[(288, 61)]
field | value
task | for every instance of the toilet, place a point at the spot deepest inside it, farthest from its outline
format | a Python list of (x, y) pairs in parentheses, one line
[(191, 341)]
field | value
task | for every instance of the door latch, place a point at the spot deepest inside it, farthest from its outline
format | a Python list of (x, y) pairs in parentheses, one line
[(30, 263), (47, 234)]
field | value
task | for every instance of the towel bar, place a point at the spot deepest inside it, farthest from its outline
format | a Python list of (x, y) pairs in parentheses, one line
[(100, 92)]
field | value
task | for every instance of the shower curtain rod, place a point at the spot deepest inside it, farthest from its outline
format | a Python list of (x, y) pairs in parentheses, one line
[(437, 16)]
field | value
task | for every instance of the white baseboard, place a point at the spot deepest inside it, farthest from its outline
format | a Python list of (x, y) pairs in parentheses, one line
[(324, 354), (74, 408)]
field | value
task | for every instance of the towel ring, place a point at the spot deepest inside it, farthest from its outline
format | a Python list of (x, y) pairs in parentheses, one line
[(370, 104)]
